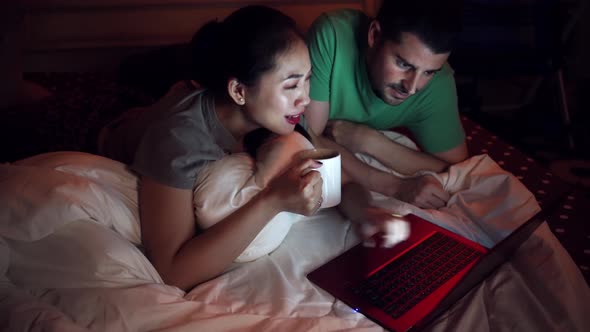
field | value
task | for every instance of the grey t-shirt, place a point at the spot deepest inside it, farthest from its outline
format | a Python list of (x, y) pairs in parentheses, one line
[(173, 139)]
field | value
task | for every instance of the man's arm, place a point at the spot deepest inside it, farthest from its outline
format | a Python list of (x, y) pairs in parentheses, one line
[(359, 138), (316, 116), (423, 191), (454, 155)]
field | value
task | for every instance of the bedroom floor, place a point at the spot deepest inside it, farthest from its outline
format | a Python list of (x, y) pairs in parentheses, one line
[(538, 131), (538, 128)]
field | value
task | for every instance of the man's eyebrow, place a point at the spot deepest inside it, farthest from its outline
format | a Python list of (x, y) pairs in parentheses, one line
[(413, 66), (406, 62)]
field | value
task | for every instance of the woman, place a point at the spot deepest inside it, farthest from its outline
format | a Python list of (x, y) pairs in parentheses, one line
[(255, 68)]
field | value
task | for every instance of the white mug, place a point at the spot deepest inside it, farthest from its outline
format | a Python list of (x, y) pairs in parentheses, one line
[(330, 172)]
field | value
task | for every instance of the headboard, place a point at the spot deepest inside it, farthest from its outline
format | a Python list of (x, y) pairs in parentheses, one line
[(73, 35)]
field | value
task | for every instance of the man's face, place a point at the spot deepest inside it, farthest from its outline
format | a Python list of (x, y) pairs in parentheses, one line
[(397, 71)]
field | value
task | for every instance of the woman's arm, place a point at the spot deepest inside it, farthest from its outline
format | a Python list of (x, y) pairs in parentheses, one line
[(184, 258), (367, 219)]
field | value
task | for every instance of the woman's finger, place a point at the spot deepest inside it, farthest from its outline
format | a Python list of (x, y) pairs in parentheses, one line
[(305, 164), (395, 232)]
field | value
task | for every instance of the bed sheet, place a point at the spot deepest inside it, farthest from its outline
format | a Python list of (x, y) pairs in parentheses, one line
[(71, 260)]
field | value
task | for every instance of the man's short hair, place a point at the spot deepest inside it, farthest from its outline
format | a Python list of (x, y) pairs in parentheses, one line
[(436, 23)]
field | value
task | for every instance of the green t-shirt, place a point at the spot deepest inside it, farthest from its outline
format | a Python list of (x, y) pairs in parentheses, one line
[(340, 77)]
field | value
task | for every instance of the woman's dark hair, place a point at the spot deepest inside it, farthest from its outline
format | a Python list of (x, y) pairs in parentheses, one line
[(436, 22), (254, 139), (245, 45)]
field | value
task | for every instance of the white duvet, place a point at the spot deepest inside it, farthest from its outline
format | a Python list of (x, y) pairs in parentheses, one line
[(71, 260)]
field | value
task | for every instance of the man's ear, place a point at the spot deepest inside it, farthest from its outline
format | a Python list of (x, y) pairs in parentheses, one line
[(374, 34), (236, 91)]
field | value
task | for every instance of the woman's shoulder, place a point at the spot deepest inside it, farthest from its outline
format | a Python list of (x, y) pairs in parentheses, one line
[(183, 87), (179, 93), (184, 106)]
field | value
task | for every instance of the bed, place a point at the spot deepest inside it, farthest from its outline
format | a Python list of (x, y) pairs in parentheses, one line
[(71, 257)]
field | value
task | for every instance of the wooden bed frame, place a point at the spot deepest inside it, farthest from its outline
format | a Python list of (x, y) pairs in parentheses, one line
[(65, 35)]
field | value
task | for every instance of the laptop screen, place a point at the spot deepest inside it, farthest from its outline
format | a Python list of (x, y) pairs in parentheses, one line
[(495, 257)]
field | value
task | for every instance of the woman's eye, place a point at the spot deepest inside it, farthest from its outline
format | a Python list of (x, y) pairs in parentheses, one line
[(291, 87)]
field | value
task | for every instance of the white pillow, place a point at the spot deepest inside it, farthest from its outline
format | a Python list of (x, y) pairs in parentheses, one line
[(227, 184), (69, 219), (45, 192), (42, 193)]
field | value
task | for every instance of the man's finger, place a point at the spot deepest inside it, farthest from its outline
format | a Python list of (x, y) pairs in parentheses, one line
[(437, 202), (442, 195)]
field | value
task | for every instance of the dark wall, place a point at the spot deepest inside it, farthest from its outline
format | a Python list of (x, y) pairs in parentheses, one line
[(581, 45)]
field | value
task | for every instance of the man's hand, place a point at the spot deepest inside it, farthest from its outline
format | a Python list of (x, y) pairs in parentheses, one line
[(424, 191)]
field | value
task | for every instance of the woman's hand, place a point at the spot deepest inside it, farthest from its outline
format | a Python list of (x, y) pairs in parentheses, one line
[(298, 189), (393, 228)]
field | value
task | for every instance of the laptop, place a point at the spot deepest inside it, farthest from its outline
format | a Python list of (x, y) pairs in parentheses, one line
[(408, 286)]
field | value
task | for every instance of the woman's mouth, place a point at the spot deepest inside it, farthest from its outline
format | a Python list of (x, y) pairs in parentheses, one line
[(293, 119)]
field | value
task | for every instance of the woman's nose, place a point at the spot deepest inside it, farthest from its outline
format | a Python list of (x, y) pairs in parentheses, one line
[(304, 100)]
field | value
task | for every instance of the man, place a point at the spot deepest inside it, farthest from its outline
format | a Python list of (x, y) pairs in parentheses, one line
[(388, 72)]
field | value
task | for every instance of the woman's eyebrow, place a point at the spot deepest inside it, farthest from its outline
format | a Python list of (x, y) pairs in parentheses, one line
[(297, 76), (293, 76)]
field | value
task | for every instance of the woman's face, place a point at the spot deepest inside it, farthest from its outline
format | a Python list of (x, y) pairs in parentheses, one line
[(280, 97)]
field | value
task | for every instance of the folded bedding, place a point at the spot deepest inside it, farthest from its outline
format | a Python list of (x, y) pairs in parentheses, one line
[(71, 260), (227, 184)]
